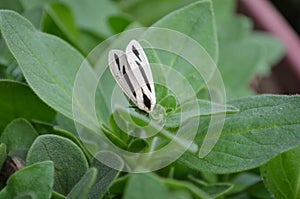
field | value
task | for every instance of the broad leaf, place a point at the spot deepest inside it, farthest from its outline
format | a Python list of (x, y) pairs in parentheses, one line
[(196, 21), (37, 179), (69, 161), (265, 127), (282, 174), (48, 63)]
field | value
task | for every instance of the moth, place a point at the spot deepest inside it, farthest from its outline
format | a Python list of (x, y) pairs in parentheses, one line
[(132, 72)]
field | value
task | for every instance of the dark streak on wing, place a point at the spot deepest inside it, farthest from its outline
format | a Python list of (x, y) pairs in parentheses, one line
[(136, 52), (144, 75), (117, 61), (146, 100), (128, 81)]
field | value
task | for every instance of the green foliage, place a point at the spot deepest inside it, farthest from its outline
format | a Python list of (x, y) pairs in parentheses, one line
[(68, 169), (248, 134), (281, 174), (44, 42), (18, 100), (18, 137), (35, 181)]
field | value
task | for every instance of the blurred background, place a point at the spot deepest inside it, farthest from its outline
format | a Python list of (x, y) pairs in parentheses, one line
[(99, 19)]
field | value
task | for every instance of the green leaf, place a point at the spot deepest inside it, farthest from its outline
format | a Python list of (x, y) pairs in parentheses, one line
[(17, 100), (35, 16), (91, 16), (145, 186), (36, 179), (118, 23), (187, 186), (281, 175), (98, 13), (14, 72), (49, 64), (173, 120), (66, 124), (238, 71), (6, 57), (83, 187), (265, 127), (69, 161), (259, 191), (56, 195), (26, 196), (105, 177), (59, 20), (272, 49), (18, 137), (215, 189), (196, 21), (46, 128), (231, 27), (260, 50), (3, 154), (11, 5), (140, 9), (244, 180)]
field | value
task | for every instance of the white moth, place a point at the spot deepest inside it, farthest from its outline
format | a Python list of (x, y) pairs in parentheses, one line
[(131, 70)]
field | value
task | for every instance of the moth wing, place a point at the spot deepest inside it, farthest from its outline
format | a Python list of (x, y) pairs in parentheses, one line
[(139, 64), (121, 71)]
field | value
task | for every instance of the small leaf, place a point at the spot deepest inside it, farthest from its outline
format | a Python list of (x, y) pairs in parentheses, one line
[(218, 190), (281, 175), (69, 161), (17, 100), (6, 57), (105, 177), (265, 127), (36, 178), (14, 72), (259, 190), (63, 19), (186, 186), (18, 137), (83, 187), (26, 196), (145, 186), (244, 180), (56, 195), (3, 154)]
